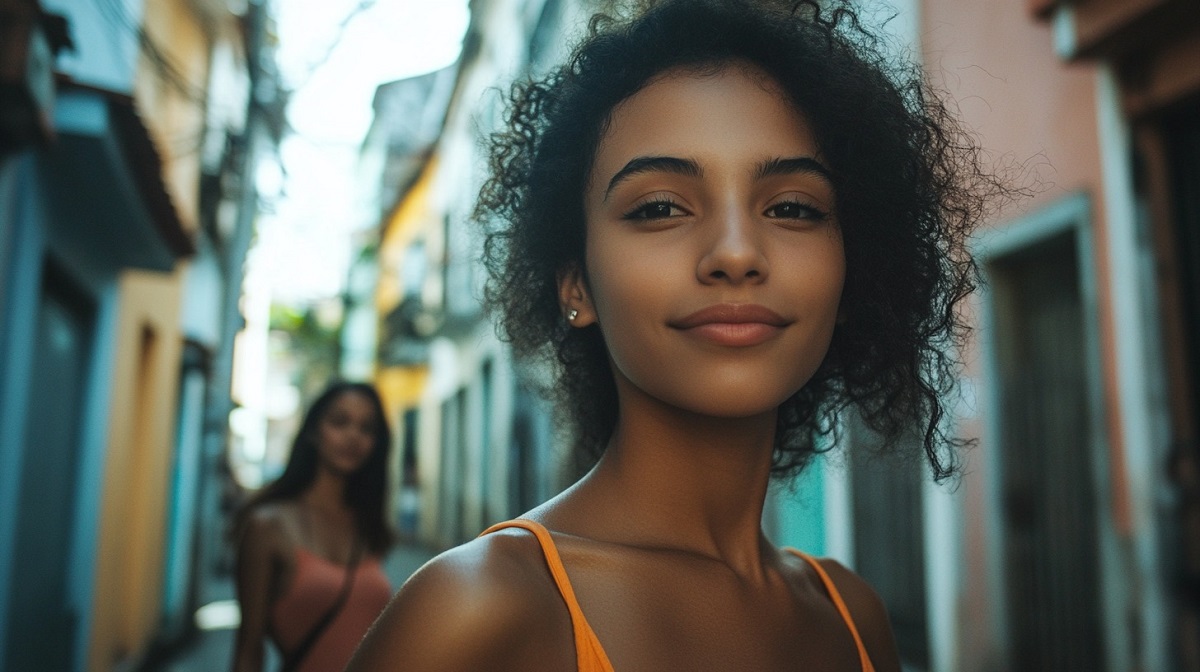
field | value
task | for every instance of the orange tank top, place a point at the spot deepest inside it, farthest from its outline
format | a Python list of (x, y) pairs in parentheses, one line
[(314, 588), (589, 655)]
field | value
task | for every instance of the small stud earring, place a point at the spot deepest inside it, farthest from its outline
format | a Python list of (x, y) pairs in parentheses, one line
[(573, 314)]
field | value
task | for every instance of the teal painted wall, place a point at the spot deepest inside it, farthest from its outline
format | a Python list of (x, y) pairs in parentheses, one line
[(799, 510)]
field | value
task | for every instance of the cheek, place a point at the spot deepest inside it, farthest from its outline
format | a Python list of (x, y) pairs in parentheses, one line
[(815, 270), (628, 289), (324, 434), (829, 282), (821, 277)]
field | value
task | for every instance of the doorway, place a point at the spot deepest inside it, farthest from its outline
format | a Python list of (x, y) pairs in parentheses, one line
[(1178, 235), (42, 619), (1047, 466)]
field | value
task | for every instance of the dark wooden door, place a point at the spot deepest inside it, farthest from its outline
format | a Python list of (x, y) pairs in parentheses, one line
[(1049, 507), (1180, 137)]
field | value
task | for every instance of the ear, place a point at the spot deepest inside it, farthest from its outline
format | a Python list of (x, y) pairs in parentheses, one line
[(574, 297)]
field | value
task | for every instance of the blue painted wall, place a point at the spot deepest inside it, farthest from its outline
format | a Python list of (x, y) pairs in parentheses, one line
[(30, 236)]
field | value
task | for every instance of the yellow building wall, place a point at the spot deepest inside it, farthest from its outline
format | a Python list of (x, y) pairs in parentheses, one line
[(169, 94), (401, 387), (406, 224), (129, 563)]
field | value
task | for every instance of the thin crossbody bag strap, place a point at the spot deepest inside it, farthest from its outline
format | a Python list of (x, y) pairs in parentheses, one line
[(292, 661)]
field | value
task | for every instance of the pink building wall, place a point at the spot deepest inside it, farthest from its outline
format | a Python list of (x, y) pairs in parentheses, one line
[(1036, 117)]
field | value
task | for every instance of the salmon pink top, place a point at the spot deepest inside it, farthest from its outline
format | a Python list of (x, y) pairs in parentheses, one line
[(314, 588), (589, 655)]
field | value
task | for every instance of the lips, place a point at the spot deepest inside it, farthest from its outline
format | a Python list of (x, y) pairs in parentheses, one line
[(733, 324), (731, 313)]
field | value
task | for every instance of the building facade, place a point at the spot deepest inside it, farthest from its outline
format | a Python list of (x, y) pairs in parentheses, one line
[(120, 223), (1070, 540), (477, 443)]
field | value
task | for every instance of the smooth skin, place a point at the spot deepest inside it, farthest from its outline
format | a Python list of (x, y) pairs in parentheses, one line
[(318, 521), (707, 190)]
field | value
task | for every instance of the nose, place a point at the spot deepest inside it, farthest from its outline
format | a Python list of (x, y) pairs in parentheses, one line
[(733, 253)]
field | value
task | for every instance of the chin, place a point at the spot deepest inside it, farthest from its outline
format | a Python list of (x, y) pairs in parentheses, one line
[(735, 412), (344, 469), (743, 397), (731, 404), (353, 468)]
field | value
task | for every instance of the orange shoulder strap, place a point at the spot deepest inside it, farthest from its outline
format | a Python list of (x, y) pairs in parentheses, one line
[(589, 655), (863, 658)]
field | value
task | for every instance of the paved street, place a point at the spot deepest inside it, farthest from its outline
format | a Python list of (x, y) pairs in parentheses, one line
[(213, 650)]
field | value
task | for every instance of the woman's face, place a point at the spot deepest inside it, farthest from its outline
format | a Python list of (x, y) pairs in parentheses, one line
[(714, 261), (345, 435)]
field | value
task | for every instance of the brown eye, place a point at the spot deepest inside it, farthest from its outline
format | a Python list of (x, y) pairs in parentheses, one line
[(655, 210), (794, 210)]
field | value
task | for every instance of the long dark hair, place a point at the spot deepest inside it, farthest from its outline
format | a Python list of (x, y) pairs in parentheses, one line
[(909, 182), (366, 488)]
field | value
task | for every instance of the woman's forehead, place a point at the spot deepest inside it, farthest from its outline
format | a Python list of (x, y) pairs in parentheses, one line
[(734, 114), (352, 400)]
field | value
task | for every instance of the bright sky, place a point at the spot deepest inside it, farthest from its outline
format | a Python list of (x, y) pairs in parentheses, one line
[(306, 243)]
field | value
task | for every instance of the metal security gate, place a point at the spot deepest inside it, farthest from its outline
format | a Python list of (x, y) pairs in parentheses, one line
[(1048, 497), (1179, 138), (889, 514)]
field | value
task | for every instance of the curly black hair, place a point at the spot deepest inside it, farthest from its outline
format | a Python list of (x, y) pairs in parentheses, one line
[(909, 185)]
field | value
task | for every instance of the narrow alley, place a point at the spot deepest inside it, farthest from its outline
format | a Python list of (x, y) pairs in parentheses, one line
[(214, 211)]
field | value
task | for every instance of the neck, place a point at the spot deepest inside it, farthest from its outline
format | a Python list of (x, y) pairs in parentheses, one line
[(670, 478), (327, 490)]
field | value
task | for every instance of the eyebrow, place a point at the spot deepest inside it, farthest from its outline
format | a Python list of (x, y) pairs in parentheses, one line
[(669, 164), (792, 166), (652, 164)]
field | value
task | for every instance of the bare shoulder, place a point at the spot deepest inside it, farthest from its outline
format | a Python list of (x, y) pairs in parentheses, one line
[(488, 604), (869, 613), (266, 526)]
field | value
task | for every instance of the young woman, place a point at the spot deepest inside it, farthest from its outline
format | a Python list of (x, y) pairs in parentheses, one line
[(726, 221), (310, 543)]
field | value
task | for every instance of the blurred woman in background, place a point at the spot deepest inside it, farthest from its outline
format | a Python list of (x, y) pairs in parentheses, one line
[(310, 543)]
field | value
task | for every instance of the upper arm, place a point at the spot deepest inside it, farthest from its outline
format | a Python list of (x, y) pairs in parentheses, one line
[(474, 607), (870, 616), (258, 545)]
